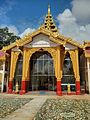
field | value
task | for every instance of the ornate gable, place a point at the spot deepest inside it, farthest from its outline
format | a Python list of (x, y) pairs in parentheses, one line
[(49, 37), (41, 40)]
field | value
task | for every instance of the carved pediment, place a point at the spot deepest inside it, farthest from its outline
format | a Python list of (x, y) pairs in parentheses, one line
[(41, 40)]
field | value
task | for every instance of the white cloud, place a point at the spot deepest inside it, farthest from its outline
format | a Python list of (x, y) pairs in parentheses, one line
[(66, 16), (81, 10), (6, 6), (4, 19), (27, 31), (4, 9), (12, 29), (69, 27)]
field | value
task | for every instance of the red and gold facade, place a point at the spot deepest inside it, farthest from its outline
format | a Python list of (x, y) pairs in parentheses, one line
[(57, 53), (57, 47)]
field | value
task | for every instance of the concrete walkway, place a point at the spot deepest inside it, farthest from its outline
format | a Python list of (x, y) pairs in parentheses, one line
[(28, 111)]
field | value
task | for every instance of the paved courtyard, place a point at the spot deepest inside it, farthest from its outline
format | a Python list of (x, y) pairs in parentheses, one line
[(44, 107), (10, 104)]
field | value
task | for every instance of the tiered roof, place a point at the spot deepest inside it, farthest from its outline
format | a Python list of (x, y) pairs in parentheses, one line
[(48, 28), (49, 23)]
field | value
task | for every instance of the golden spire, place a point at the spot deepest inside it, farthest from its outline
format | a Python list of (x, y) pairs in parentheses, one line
[(49, 23), (48, 9)]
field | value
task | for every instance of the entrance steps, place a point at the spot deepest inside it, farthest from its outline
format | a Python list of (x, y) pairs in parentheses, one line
[(41, 93)]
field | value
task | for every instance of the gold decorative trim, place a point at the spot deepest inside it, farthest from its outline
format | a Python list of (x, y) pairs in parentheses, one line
[(14, 58), (55, 37), (27, 56)]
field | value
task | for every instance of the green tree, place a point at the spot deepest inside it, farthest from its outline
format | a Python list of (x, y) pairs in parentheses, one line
[(6, 37)]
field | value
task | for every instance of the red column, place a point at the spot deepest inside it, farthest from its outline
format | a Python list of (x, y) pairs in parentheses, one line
[(78, 87), (59, 91), (23, 87), (10, 86)]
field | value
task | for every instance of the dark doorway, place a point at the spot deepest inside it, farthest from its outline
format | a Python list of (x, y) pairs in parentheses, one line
[(18, 73), (42, 74), (68, 75)]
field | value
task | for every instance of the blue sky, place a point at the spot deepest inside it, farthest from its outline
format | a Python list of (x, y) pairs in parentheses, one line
[(72, 17), (30, 13)]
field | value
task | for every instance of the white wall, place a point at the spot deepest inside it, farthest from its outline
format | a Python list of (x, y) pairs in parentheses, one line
[(41, 40), (2, 72)]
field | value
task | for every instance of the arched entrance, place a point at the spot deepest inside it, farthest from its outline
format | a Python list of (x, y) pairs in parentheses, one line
[(18, 73), (42, 73), (68, 79)]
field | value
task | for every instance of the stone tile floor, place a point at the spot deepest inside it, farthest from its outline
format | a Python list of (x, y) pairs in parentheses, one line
[(64, 109), (10, 104), (28, 111)]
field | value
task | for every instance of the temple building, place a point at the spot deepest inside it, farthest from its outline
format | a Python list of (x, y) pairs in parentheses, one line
[(45, 60)]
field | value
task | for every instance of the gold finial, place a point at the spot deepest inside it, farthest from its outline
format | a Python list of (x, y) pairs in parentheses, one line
[(49, 23), (48, 9)]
